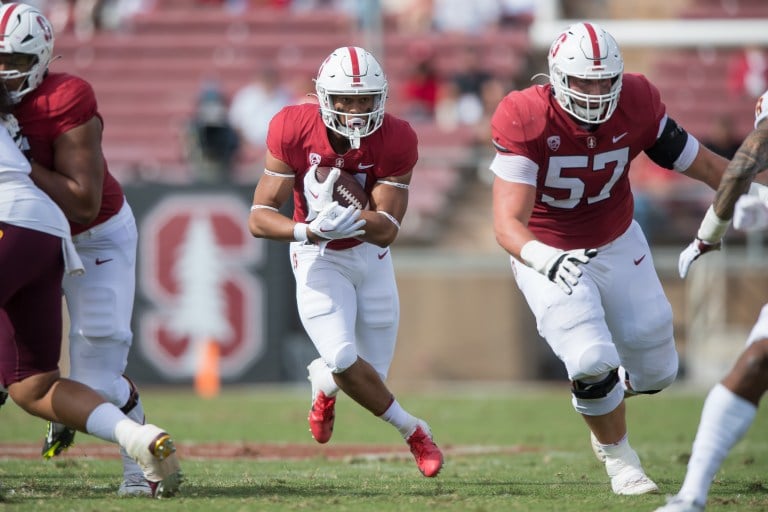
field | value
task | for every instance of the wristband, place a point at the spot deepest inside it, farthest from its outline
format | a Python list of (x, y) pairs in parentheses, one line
[(712, 227), (300, 232)]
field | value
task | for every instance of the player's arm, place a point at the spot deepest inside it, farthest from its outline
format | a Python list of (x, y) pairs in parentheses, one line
[(388, 203), (512, 206), (736, 180), (750, 159), (273, 190), (514, 196), (77, 182)]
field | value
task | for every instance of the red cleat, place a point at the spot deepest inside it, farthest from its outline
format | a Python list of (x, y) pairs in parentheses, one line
[(321, 417), (428, 456)]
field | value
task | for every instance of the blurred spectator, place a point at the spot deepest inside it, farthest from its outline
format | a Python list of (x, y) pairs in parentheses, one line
[(722, 139), (210, 142), (255, 103), (748, 72), (420, 90), (410, 16), (85, 17), (516, 12), (466, 17)]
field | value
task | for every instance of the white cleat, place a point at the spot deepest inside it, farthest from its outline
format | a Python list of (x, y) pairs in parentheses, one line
[(627, 475), (154, 451), (678, 504)]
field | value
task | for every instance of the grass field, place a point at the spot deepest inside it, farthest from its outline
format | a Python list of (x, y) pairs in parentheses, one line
[(515, 448)]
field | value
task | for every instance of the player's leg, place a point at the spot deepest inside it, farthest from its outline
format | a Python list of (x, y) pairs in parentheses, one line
[(728, 412), (325, 301), (100, 306), (574, 327), (30, 344)]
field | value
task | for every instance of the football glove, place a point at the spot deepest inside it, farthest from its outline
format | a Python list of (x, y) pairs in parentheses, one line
[(560, 267), (11, 124), (750, 214), (335, 222), (709, 238), (318, 195)]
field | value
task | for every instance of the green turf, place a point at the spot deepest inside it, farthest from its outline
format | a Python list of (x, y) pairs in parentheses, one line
[(559, 473)]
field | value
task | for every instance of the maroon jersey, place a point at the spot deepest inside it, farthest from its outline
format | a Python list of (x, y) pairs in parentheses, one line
[(583, 196), (62, 102), (297, 136)]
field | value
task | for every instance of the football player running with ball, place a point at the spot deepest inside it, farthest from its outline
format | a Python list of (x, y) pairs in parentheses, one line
[(60, 121), (731, 405), (345, 283), (563, 210)]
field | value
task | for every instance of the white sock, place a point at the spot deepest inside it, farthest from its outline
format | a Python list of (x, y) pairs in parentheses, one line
[(725, 418), (399, 418), (323, 381), (103, 420), (616, 450)]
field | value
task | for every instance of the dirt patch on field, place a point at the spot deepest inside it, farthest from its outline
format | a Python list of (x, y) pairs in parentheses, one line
[(263, 451)]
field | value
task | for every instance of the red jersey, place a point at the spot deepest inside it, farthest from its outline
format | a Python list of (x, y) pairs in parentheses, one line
[(298, 137), (583, 195), (60, 103)]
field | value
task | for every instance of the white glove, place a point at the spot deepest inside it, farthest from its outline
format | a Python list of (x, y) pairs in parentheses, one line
[(560, 267), (335, 222), (14, 130), (318, 195), (692, 253), (750, 214), (708, 238)]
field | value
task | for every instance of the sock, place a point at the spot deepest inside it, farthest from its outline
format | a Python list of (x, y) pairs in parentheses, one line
[(102, 421), (399, 418), (323, 380), (725, 418), (616, 450)]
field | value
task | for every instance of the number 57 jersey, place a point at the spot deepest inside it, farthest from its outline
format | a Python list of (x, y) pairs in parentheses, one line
[(583, 195)]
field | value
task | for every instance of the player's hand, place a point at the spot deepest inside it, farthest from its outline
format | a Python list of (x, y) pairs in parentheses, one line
[(563, 268), (750, 214), (11, 124), (692, 253), (335, 222), (318, 195)]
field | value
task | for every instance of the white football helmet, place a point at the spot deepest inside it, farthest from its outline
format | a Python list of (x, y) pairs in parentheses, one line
[(24, 29), (350, 71), (586, 51)]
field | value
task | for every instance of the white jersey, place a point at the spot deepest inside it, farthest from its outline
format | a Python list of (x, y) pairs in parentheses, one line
[(25, 205)]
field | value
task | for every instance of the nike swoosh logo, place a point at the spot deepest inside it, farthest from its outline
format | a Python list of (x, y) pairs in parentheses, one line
[(617, 138), (313, 194), (381, 256), (364, 166), (101, 262), (639, 260)]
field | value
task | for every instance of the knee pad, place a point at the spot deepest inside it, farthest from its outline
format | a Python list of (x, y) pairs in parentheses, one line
[(597, 397), (343, 358), (654, 380)]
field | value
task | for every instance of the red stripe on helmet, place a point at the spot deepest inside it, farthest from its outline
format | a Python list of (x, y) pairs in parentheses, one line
[(4, 21), (355, 64), (595, 43)]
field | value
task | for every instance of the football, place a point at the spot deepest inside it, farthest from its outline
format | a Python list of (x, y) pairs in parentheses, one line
[(347, 191)]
